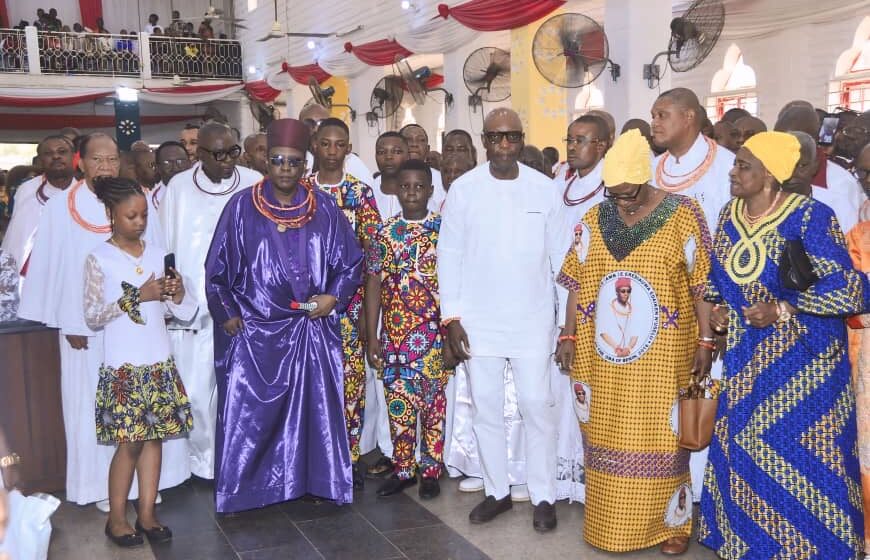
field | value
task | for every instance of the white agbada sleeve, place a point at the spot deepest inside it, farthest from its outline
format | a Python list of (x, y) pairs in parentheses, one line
[(40, 299), (559, 240), (450, 252)]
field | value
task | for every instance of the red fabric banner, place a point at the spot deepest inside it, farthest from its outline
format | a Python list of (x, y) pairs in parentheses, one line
[(29, 121), (4, 15), (498, 15), (301, 73), (91, 10), (378, 53), (50, 101), (262, 91), (192, 89)]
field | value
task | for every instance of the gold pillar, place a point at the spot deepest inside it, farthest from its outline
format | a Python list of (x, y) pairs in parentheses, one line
[(340, 97)]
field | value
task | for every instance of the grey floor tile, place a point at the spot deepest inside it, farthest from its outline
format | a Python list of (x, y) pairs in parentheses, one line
[(306, 509), (200, 545), (439, 542), (265, 528), (348, 536), (286, 552), (393, 513)]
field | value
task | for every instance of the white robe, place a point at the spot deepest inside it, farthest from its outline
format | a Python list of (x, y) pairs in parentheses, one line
[(189, 217), (579, 188), (843, 195), (53, 295), (712, 191), (157, 194), (21, 232)]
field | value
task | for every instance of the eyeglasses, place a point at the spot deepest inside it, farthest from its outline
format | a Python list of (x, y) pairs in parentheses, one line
[(496, 137), (580, 141), (181, 162), (222, 155), (621, 196), (279, 161)]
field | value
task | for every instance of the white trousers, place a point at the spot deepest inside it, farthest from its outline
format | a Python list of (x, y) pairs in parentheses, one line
[(87, 462), (194, 356), (537, 407)]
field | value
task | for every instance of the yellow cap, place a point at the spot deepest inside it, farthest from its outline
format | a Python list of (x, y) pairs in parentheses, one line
[(779, 152), (627, 161)]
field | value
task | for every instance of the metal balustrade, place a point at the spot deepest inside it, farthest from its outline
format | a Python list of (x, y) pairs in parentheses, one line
[(92, 54), (13, 50)]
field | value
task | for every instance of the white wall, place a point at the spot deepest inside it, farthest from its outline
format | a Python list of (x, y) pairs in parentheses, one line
[(795, 63)]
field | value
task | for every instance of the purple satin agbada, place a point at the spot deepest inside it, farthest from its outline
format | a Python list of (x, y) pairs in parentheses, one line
[(280, 425)]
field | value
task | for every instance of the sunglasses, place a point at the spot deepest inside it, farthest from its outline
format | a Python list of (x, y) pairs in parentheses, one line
[(497, 137), (222, 155), (279, 161), (625, 196)]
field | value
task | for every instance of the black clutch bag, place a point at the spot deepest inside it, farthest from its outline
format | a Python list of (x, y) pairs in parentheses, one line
[(795, 269)]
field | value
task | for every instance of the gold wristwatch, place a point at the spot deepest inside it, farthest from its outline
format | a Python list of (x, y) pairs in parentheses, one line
[(9, 460), (784, 313)]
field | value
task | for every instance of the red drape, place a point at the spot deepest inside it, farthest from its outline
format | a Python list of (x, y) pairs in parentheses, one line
[(50, 102), (498, 15), (22, 121), (192, 89), (262, 91), (378, 53), (91, 10), (4, 15), (301, 73)]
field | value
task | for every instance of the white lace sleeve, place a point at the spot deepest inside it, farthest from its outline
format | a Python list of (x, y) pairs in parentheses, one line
[(8, 287), (98, 313)]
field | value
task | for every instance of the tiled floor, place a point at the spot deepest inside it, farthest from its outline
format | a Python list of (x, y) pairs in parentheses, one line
[(401, 527)]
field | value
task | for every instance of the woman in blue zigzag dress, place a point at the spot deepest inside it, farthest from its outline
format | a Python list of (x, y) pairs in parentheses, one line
[(782, 479)]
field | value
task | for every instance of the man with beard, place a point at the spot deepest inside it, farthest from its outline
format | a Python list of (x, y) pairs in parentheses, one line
[(418, 148), (255, 153), (55, 157), (72, 224), (190, 210), (171, 160)]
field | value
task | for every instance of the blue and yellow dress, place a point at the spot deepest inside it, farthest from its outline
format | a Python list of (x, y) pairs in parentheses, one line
[(782, 479)]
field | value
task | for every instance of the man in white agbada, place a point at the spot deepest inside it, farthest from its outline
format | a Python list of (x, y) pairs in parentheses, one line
[(189, 213), (72, 224), (171, 160), (695, 166), (55, 154), (502, 240)]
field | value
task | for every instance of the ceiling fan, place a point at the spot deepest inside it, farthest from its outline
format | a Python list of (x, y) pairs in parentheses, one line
[(277, 32), (216, 14)]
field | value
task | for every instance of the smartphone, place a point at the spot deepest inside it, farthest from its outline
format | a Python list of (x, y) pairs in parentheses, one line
[(828, 129), (168, 265)]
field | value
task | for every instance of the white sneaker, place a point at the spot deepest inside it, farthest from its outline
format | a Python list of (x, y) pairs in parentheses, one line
[(103, 505), (159, 499), (520, 493), (471, 484)]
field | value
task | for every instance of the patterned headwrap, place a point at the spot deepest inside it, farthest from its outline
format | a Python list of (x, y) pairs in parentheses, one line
[(779, 152), (627, 161)]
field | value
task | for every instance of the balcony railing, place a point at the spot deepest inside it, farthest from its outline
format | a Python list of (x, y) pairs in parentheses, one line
[(91, 54)]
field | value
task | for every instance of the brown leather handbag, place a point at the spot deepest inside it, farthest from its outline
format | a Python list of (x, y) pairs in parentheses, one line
[(698, 403)]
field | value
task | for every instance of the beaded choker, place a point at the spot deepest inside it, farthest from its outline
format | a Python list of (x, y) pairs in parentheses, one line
[(154, 200), (77, 218), (578, 201), (270, 211), (691, 177), (236, 180)]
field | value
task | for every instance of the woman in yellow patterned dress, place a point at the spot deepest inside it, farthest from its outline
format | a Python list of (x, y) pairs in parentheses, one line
[(636, 329)]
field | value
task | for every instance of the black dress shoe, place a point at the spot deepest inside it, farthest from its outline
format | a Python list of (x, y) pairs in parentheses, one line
[(382, 467), (125, 541), (429, 488), (394, 485), (545, 517), (155, 534), (359, 478), (488, 509)]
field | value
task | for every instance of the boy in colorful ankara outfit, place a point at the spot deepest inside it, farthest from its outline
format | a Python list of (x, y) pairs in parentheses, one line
[(402, 278)]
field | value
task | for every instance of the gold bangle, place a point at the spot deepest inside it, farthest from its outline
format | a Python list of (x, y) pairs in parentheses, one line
[(9, 460)]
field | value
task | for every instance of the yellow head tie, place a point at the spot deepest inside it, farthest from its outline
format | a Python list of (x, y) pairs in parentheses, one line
[(779, 152), (627, 161)]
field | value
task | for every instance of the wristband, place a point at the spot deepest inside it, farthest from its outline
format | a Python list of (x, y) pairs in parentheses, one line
[(570, 337), (706, 339), (9, 460), (707, 345)]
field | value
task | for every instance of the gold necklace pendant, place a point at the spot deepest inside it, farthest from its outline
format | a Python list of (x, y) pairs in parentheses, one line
[(282, 228), (139, 269)]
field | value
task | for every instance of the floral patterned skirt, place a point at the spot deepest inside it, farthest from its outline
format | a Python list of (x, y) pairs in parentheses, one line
[(141, 403)]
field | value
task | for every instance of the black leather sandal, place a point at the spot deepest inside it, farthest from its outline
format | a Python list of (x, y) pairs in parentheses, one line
[(125, 541), (156, 534)]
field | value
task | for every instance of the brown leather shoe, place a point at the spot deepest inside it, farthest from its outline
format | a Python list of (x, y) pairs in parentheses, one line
[(675, 546), (488, 509), (545, 517)]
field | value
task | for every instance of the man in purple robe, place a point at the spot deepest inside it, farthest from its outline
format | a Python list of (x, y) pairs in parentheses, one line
[(278, 245)]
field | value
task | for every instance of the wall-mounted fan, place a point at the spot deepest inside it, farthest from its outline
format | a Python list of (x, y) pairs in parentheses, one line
[(487, 75), (693, 36), (386, 99), (571, 50), (415, 82), (264, 113), (277, 32), (323, 97)]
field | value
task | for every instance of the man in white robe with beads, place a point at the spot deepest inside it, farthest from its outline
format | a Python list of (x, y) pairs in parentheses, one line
[(694, 166), (71, 225), (189, 214)]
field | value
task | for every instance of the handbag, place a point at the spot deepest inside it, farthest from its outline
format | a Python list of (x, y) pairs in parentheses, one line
[(697, 404), (795, 269)]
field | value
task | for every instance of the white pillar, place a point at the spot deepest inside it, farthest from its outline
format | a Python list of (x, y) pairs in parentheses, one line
[(31, 39), (636, 31), (145, 55), (362, 136), (461, 116)]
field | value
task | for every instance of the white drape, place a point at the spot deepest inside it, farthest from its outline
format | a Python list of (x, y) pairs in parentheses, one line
[(436, 36), (193, 98)]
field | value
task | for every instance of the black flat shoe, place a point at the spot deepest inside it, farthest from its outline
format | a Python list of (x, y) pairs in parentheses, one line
[(359, 477), (544, 518), (382, 467), (155, 535), (395, 485), (489, 509), (429, 488), (125, 541)]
